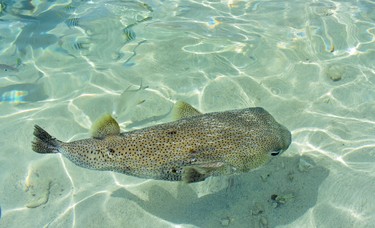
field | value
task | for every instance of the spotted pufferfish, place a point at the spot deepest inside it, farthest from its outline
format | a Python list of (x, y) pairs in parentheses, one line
[(190, 149)]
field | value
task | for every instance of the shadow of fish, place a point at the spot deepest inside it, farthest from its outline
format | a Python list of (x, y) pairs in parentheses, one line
[(190, 149), (35, 32)]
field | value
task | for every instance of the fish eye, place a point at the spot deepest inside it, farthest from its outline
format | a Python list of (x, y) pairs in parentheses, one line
[(276, 152)]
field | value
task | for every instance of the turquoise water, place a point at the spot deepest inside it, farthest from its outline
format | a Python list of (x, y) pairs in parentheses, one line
[(63, 64)]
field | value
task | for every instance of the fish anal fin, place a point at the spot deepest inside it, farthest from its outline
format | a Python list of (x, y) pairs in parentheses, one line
[(182, 110), (105, 126), (198, 173), (192, 174)]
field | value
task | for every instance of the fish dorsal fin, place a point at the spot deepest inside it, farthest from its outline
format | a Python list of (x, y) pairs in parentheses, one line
[(104, 126), (182, 109)]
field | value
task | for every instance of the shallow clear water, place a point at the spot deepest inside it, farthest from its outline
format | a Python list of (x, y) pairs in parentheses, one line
[(309, 63)]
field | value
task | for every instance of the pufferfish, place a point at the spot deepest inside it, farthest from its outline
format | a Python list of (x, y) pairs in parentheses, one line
[(190, 149)]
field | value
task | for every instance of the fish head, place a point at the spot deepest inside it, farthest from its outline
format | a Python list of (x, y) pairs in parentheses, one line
[(266, 138), (270, 138), (280, 142)]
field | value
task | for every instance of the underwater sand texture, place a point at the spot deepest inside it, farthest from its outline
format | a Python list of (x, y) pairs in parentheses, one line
[(308, 63)]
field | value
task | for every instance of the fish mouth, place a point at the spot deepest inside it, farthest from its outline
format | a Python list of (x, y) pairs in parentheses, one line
[(285, 140)]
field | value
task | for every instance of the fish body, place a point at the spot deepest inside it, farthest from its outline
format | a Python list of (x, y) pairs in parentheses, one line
[(7, 68), (14, 96), (22, 93), (190, 149), (129, 34), (35, 33)]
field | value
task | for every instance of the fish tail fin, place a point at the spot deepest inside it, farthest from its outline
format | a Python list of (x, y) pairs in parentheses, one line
[(43, 142)]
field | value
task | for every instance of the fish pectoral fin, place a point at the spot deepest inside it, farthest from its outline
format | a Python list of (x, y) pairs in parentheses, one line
[(105, 126), (182, 110), (198, 173)]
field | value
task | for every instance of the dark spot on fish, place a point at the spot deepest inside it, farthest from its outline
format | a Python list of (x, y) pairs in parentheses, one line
[(110, 150), (172, 132), (192, 151)]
